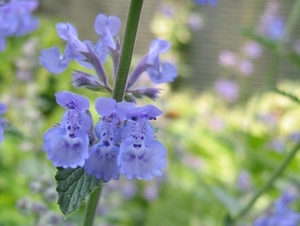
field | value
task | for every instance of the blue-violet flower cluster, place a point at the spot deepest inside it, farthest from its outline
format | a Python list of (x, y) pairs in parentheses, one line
[(3, 109), (123, 139), (94, 56), (16, 19), (205, 2)]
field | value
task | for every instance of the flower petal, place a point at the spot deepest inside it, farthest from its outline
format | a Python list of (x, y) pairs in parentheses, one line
[(65, 151), (52, 60), (103, 162), (70, 100), (143, 161)]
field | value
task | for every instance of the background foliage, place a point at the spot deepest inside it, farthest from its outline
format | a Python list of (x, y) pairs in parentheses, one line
[(219, 152)]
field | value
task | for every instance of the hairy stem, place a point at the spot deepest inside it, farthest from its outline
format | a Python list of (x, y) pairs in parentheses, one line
[(132, 23), (92, 207)]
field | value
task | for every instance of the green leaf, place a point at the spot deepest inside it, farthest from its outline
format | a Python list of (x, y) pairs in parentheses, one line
[(73, 187), (288, 95), (295, 58), (266, 42)]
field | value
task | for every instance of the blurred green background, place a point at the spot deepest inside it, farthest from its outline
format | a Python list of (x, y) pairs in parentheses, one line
[(220, 151)]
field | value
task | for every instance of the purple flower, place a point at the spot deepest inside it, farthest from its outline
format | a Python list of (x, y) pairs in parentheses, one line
[(166, 73), (271, 24), (51, 58), (103, 156), (3, 109), (141, 155), (253, 50), (158, 73), (227, 89), (106, 28), (282, 214), (205, 2), (246, 67), (67, 144), (82, 51), (16, 19)]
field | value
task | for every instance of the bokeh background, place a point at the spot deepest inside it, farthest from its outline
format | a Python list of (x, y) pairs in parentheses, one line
[(225, 125)]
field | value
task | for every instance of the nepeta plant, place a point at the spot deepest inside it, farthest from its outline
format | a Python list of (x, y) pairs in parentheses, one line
[(123, 140), (122, 125)]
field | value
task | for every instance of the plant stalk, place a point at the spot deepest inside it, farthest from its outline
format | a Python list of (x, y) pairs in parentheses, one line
[(92, 207), (132, 23)]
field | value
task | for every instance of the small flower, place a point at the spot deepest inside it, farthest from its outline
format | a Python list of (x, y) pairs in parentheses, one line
[(67, 144), (228, 58), (166, 73), (51, 58), (3, 109), (16, 19), (106, 28), (246, 67), (141, 155), (205, 2), (158, 73), (253, 50), (272, 25), (227, 89), (103, 156)]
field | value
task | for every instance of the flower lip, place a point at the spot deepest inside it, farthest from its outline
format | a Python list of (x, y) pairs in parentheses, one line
[(150, 112), (72, 101)]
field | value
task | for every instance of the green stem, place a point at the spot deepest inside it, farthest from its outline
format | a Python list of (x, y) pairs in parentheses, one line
[(269, 183), (92, 207), (132, 23), (291, 23)]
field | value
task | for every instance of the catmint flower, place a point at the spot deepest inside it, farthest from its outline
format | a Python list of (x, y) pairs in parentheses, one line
[(103, 155), (51, 58), (67, 144), (227, 89), (3, 109), (82, 51), (141, 155), (158, 73), (228, 58), (271, 24), (106, 28), (246, 67), (205, 2), (16, 19), (282, 214), (253, 50)]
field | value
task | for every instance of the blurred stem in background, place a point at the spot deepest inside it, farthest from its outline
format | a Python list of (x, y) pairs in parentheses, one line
[(269, 82), (268, 184), (130, 33), (270, 79)]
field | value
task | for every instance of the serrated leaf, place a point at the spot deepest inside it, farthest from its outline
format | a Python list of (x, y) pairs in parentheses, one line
[(73, 187)]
